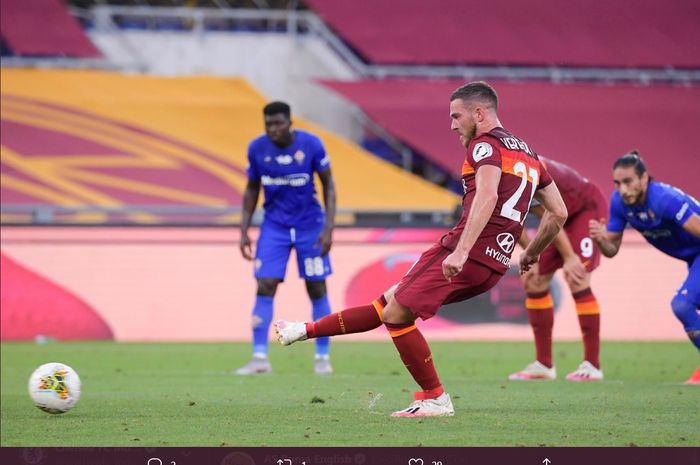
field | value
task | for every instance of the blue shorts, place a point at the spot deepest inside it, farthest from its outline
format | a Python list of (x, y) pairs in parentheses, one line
[(275, 244), (691, 286)]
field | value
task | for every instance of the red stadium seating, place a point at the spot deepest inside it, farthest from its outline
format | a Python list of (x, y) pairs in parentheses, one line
[(620, 33), (44, 28), (584, 125)]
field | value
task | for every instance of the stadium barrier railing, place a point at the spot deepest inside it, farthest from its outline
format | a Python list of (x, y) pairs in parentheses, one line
[(192, 215)]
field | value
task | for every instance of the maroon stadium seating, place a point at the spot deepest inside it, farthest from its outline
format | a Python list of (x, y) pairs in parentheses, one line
[(43, 28), (584, 125), (620, 33)]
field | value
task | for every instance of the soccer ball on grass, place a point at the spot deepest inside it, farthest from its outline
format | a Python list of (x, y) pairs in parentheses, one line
[(54, 387)]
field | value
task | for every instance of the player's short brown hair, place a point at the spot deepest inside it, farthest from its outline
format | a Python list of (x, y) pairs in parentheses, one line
[(477, 90)]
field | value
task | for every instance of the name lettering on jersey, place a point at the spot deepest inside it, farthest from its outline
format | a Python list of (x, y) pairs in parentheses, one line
[(516, 144), (291, 180), (482, 150), (284, 159), (681, 212), (498, 256)]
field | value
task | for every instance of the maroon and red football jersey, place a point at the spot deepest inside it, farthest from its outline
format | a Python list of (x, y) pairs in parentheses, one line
[(522, 175)]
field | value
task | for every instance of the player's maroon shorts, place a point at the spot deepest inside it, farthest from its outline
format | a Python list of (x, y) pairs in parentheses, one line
[(425, 289), (576, 228)]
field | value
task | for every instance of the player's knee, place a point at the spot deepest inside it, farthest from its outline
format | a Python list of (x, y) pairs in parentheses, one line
[(267, 287), (533, 283), (577, 284), (389, 293), (395, 313), (316, 289), (685, 311)]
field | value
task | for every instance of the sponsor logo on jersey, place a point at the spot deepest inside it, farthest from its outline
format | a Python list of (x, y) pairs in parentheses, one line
[(284, 159), (656, 233), (681, 212), (482, 150), (498, 256), (291, 180), (506, 242)]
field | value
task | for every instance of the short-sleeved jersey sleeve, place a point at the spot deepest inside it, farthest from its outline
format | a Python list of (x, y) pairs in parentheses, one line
[(484, 151), (545, 177), (617, 220), (252, 170), (676, 208), (321, 162)]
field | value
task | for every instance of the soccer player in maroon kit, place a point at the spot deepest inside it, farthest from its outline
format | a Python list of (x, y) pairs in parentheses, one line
[(574, 252), (500, 175)]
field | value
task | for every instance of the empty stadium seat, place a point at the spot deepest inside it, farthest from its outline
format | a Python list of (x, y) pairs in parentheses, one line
[(642, 33)]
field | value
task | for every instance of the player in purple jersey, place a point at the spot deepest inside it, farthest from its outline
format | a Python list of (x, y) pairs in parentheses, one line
[(669, 219), (283, 161)]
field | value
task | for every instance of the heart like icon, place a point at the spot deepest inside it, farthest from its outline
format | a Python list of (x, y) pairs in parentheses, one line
[(415, 462)]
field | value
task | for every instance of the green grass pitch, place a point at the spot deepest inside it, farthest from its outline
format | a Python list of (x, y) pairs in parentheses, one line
[(186, 395)]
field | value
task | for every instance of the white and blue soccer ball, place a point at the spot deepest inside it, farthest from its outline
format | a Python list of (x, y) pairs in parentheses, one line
[(54, 387)]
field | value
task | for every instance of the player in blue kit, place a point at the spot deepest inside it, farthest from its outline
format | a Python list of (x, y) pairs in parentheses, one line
[(669, 219), (283, 161)]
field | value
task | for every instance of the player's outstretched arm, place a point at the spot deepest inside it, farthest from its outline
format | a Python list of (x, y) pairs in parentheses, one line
[(607, 241), (250, 201), (552, 221), (485, 198), (326, 238)]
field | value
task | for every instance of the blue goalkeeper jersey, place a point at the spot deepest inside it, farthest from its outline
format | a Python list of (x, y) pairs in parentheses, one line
[(287, 177), (660, 219)]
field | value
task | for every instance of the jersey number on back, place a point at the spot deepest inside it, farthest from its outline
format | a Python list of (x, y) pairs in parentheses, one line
[(508, 210)]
